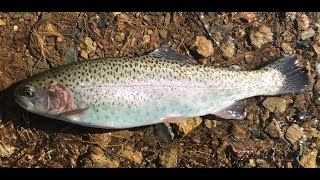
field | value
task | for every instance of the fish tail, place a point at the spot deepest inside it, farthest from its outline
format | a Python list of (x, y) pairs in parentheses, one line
[(295, 79)]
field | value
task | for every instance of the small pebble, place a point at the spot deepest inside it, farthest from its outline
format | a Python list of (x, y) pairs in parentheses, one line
[(189, 124), (59, 39), (287, 48), (291, 16), (309, 160), (294, 133), (228, 49), (208, 123), (15, 28), (287, 36), (307, 34), (203, 46), (247, 16), (301, 115), (211, 14), (84, 54), (303, 44), (261, 37), (119, 36), (303, 22), (101, 23), (275, 104), (2, 22), (273, 129), (238, 133)]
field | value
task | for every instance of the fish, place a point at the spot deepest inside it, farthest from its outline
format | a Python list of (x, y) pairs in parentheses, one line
[(162, 86)]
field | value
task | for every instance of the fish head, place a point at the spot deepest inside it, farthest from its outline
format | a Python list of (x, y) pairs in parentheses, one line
[(49, 98)]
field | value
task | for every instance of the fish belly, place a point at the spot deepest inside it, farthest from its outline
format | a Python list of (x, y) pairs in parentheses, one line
[(132, 108)]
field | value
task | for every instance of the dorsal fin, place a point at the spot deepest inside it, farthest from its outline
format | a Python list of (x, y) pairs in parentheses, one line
[(168, 53)]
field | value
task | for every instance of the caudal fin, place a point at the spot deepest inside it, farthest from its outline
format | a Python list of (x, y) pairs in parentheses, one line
[(295, 78)]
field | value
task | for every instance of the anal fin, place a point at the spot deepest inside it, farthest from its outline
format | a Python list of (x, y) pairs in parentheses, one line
[(234, 111)]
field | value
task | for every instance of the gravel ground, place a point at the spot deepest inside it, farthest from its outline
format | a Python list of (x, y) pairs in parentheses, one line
[(280, 131)]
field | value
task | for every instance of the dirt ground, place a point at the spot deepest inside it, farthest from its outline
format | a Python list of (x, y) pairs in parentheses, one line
[(281, 131)]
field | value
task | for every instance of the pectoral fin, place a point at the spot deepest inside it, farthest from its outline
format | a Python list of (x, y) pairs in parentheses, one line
[(74, 114), (234, 111)]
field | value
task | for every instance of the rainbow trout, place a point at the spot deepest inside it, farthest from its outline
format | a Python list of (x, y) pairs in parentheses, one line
[(161, 86)]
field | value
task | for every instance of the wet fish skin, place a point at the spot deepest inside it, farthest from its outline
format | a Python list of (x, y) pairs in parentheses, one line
[(136, 91)]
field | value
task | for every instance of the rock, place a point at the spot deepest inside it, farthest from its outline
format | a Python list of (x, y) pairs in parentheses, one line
[(209, 123), (228, 49), (261, 37), (238, 133), (287, 48), (275, 104), (251, 163), (261, 163), (309, 160), (15, 28), (240, 33), (303, 21), (203, 46), (287, 36), (294, 133), (132, 155), (273, 129), (169, 159), (164, 132), (59, 39), (90, 48), (99, 159), (291, 16), (189, 124), (84, 54), (235, 67), (2, 22), (247, 16), (211, 14), (303, 44), (116, 13), (119, 36), (50, 28), (307, 34), (301, 115)]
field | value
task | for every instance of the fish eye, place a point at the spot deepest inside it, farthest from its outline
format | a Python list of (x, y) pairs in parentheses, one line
[(28, 91)]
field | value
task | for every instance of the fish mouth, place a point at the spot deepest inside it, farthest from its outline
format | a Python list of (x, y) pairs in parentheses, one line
[(23, 102)]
